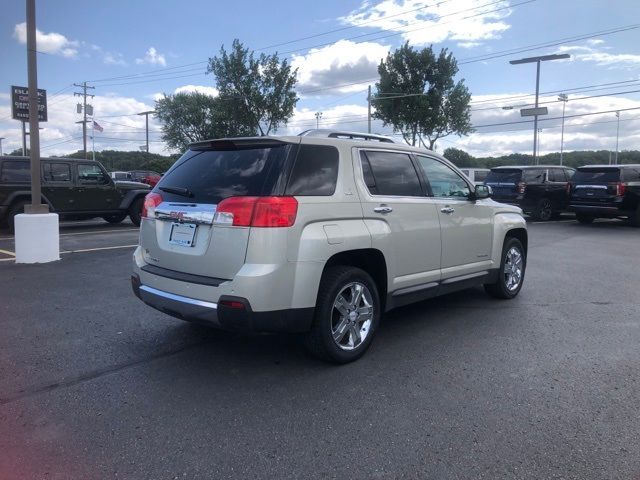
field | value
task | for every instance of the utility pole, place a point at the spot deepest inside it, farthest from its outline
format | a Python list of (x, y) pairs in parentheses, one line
[(537, 61), (564, 98), (369, 109), (539, 135), (84, 94), (617, 137), (146, 114), (1, 138), (24, 140), (318, 117)]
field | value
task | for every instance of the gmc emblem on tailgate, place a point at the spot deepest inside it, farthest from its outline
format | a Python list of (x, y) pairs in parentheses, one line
[(177, 215)]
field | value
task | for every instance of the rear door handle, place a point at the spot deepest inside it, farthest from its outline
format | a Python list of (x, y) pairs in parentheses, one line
[(448, 210), (383, 209)]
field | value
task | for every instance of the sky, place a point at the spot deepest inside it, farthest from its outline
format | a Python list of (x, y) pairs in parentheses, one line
[(134, 52)]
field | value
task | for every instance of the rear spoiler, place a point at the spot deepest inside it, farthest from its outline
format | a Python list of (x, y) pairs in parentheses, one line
[(240, 143)]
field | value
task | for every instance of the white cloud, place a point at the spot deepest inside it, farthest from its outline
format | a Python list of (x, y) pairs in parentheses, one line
[(53, 43), (465, 21), (341, 63), (152, 57), (114, 59), (596, 54), (211, 91)]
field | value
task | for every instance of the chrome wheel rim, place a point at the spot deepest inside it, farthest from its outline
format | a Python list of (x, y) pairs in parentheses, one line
[(546, 211), (351, 316), (513, 269)]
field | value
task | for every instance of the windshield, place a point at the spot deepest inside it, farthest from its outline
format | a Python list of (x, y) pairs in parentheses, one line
[(504, 176), (596, 175), (213, 175)]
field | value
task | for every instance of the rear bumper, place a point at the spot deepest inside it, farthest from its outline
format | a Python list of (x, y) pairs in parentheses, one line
[(608, 211), (229, 313)]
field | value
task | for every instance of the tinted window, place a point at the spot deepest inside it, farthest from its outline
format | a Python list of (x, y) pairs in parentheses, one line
[(444, 181), (15, 172), (569, 173), (213, 175), (503, 175), (466, 172), (533, 175), (480, 175), (56, 172), (393, 174), (631, 174), (91, 174), (596, 175), (315, 171), (557, 175)]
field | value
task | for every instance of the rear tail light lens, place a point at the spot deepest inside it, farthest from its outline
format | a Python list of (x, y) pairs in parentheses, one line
[(263, 212), (522, 187), (620, 189), (151, 201)]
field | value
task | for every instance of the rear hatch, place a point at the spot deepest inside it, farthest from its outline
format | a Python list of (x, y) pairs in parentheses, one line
[(181, 231), (596, 185), (506, 183)]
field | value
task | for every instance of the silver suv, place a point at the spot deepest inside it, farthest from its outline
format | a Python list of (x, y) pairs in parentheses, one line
[(319, 234)]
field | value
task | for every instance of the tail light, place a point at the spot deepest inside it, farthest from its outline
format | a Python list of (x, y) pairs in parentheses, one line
[(151, 201), (521, 187), (263, 212), (620, 189)]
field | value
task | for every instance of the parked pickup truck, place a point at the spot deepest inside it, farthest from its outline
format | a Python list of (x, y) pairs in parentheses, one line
[(74, 189)]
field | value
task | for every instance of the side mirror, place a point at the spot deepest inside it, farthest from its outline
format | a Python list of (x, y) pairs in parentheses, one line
[(482, 191)]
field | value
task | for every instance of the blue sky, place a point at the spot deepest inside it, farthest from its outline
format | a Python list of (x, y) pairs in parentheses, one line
[(162, 47)]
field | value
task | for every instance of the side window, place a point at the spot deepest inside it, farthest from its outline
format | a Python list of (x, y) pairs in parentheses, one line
[(466, 172), (390, 173), (15, 172), (569, 173), (56, 172), (533, 175), (480, 176), (631, 174), (89, 174), (557, 175), (444, 181), (315, 172)]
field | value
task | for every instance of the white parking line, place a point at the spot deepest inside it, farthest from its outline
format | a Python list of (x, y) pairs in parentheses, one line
[(87, 233), (97, 249), (7, 252)]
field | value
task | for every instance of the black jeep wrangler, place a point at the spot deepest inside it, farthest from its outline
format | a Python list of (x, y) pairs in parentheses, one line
[(74, 189)]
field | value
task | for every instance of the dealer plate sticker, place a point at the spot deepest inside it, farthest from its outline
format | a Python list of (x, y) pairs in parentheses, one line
[(183, 234)]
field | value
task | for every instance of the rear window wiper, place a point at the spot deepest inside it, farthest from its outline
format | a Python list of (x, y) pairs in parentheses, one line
[(185, 192)]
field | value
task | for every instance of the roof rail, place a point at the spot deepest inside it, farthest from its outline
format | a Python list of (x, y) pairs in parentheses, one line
[(327, 133)]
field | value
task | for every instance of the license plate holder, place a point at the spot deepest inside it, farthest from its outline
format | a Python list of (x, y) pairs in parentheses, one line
[(183, 234)]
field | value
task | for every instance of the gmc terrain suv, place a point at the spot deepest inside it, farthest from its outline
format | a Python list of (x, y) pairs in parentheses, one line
[(608, 191), (74, 189), (540, 191), (319, 234)]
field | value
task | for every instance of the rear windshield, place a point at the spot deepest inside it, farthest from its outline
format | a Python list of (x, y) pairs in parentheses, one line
[(596, 175), (213, 175), (504, 176), (15, 172)]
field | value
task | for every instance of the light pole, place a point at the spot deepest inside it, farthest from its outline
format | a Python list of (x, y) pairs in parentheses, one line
[(146, 115), (1, 138), (564, 98), (537, 61), (539, 135), (617, 137), (318, 117)]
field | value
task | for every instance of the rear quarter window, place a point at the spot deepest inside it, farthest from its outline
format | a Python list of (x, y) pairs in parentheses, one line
[(15, 172), (315, 171), (480, 175), (631, 174), (504, 176)]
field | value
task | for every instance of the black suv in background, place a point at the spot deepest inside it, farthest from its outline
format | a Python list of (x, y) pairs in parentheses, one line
[(540, 191), (74, 189), (607, 191)]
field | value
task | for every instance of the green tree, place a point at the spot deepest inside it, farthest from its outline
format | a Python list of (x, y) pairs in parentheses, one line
[(260, 89), (418, 96), (191, 117), (460, 158)]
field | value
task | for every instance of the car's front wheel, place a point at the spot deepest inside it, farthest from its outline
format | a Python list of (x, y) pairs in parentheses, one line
[(511, 274), (347, 315)]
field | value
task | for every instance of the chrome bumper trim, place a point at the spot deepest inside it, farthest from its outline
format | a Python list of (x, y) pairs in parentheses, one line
[(179, 298)]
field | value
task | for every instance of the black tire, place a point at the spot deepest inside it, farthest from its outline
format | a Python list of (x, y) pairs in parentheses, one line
[(135, 211), (320, 340), (544, 210), (500, 289), (115, 218), (634, 220), (16, 209), (584, 218)]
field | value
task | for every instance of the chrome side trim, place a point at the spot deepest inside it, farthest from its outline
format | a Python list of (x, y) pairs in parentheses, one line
[(601, 187), (464, 277), (179, 298), (199, 213)]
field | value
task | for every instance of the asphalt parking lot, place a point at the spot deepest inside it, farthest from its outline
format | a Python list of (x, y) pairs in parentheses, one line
[(94, 384)]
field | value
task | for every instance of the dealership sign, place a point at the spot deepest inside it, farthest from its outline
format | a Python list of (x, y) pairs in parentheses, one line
[(20, 104)]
